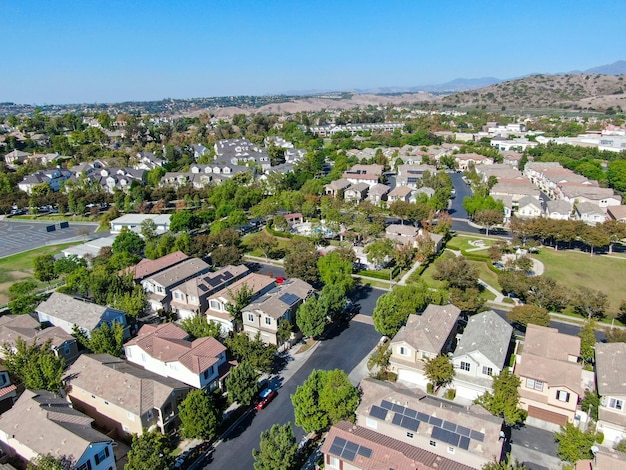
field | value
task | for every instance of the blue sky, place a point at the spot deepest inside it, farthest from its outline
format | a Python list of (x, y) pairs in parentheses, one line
[(57, 51)]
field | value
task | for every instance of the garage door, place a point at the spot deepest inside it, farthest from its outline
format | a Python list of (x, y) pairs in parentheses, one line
[(412, 377), (549, 416)]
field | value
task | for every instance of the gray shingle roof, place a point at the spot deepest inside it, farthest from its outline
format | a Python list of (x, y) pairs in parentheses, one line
[(78, 312), (611, 368), (487, 333)]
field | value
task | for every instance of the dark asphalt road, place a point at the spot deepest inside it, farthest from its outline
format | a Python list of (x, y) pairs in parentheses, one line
[(344, 348)]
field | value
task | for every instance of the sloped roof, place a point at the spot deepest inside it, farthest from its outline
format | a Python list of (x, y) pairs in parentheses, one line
[(279, 300), (430, 330), (85, 314), (26, 327), (168, 343), (147, 267), (177, 274), (487, 333), (48, 424), (611, 368), (117, 381)]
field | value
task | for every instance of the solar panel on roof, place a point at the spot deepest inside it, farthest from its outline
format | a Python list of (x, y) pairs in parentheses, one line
[(397, 419), (464, 442), (479, 436), (436, 434), (435, 421), (445, 435), (378, 412), (336, 450), (447, 425), (386, 405), (365, 452), (288, 298), (423, 417), (398, 408), (410, 413), (410, 423), (348, 455), (340, 441), (463, 431), (352, 446), (453, 439)]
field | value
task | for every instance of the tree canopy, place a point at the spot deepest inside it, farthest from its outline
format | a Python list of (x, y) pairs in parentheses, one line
[(242, 384), (106, 339), (278, 449), (528, 313), (35, 365), (148, 451), (199, 415), (439, 371), (503, 401)]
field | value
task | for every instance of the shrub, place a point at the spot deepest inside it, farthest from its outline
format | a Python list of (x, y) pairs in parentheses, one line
[(429, 388), (450, 394)]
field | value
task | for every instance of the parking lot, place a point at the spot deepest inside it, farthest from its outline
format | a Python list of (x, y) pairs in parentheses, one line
[(19, 236)]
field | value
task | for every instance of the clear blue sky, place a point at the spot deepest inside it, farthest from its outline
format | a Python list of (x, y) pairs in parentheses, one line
[(58, 51)]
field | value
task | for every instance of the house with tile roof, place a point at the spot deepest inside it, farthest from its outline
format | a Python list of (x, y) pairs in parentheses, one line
[(167, 351), (424, 336), (402, 428), (191, 298), (356, 192), (616, 213), (258, 284), (8, 391), (611, 385), (558, 209), (65, 311), (589, 213), (122, 397), (147, 267), (281, 303), (41, 423), (26, 327), (159, 286), (378, 193), (529, 207), (337, 187), (551, 377), (411, 174), (399, 193), (480, 354), (15, 157)]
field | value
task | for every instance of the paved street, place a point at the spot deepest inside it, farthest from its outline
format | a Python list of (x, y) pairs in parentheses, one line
[(344, 348)]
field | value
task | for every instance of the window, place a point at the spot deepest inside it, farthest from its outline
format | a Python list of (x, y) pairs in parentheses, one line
[(616, 404), (424, 355), (178, 296), (215, 305), (102, 455), (159, 289), (85, 466), (125, 428), (535, 384), (192, 298), (465, 366), (250, 318), (268, 321), (562, 395), (333, 461), (409, 435), (404, 351), (149, 415), (487, 370), (130, 416), (206, 374), (143, 357), (433, 444), (128, 352), (66, 349)]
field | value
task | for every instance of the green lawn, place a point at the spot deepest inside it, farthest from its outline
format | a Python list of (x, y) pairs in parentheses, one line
[(465, 243), (576, 269)]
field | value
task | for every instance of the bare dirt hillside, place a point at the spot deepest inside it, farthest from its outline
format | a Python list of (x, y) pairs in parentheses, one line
[(571, 91)]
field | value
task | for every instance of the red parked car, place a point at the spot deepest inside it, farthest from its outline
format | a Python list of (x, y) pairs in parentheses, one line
[(266, 396), (280, 279)]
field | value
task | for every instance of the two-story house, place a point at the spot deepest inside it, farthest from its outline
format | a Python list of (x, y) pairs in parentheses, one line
[(159, 286), (480, 354), (67, 312), (123, 397), (551, 377), (8, 391), (423, 337), (190, 298), (263, 315), (398, 427), (147, 267), (257, 285), (40, 423), (26, 327), (611, 383), (167, 351)]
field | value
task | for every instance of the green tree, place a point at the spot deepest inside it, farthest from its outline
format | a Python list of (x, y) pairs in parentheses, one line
[(439, 371), (22, 300), (380, 357), (242, 384), (333, 300), (199, 416), (68, 264), (379, 251), (48, 462), (488, 218), (311, 317), (148, 230), (35, 365), (591, 404), (456, 271), (506, 464), (284, 330), (324, 398), (301, 262), (199, 327), (335, 270), (589, 303), (468, 300), (148, 451), (574, 444), (134, 303), (128, 242), (588, 340), (278, 449), (264, 242), (44, 268), (183, 221), (504, 400), (239, 300), (254, 351), (525, 314), (106, 339)]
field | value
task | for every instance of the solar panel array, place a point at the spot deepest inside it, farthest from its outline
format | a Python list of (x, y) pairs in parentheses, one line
[(445, 431), (288, 298), (348, 450)]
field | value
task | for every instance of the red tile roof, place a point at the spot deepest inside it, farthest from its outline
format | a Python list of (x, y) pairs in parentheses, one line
[(146, 267)]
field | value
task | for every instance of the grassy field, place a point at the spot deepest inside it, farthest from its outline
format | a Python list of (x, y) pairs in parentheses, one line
[(20, 267), (576, 269), (465, 243)]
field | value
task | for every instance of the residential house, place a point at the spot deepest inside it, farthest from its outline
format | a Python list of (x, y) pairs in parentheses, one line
[(529, 207), (399, 193), (378, 193), (551, 377), (480, 354), (372, 169), (403, 234), (281, 303), (41, 423), (512, 158), (54, 178), (147, 267), (148, 161), (258, 285), (8, 391), (190, 298), (68, 312), (467, 160), (558, 209), (337, 187), (507, 202), (616, 213), (134, 221), (167, 351), (122, 397), (159, 286), (610, 374), (294, 219), (111, 179), (603, 459), (15, 157), (357, 178), (26, 327), (602, 197), (411, 174), (589, 213), (356, 192), (401, 428), (423, 337), (516, 189)]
